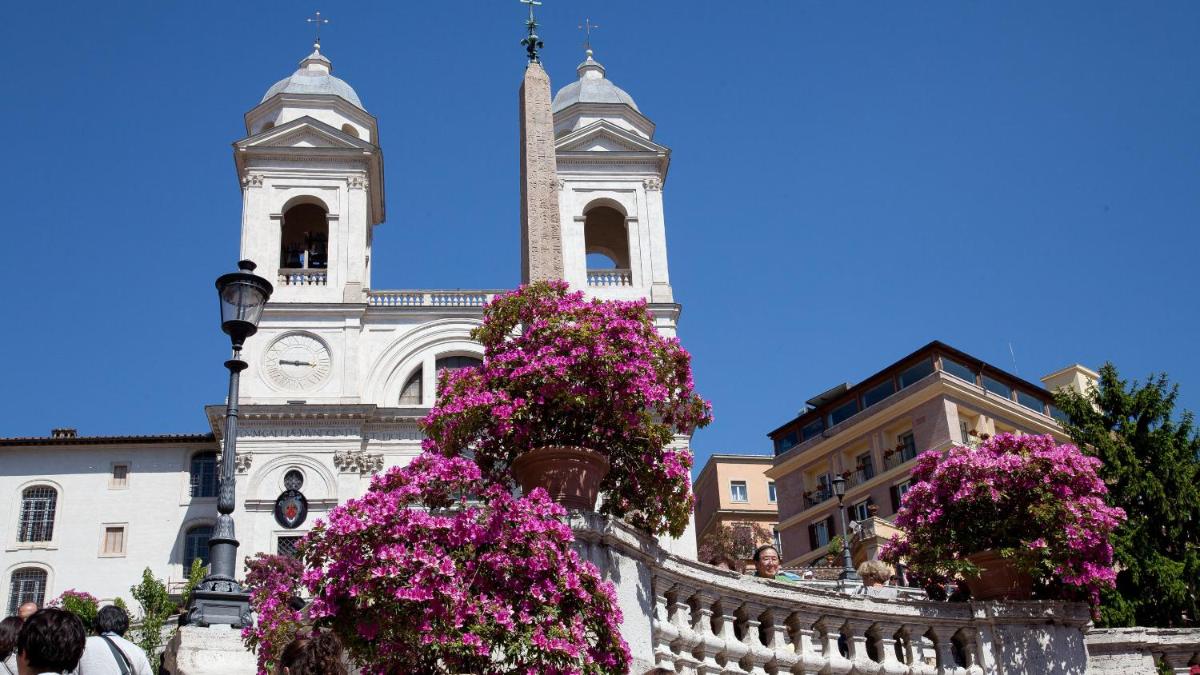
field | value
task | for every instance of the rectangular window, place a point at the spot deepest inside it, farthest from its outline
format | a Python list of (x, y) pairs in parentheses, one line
[(771, 491), (821, 532), (777, 540), (860, 511), (786, 443), (964, 433), (113, 543), (958, 370), (915, 373), (120, 477), (843, 412), (737, 491), (997, 387), (1030, 401), (902, 488), (1059, 415), (908, 446), (878, 393), (287, 546), (813, 429), (867, 464)]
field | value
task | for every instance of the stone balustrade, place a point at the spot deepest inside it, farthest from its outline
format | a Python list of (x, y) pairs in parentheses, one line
[(303, 277), (468, 298), (1126, 651), (685, 617), (610, 277)]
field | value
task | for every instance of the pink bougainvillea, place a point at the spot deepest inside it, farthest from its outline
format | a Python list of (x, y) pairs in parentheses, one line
[(559, 369), (273, 582), (1036, 501), (438, 570)]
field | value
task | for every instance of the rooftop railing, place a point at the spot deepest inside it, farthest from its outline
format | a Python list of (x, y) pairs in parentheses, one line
[(455, 298)]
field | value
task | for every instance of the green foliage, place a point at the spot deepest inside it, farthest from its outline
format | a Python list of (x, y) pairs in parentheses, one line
[(195, 576), (120, 603), (834, 548), (81, 604), (1152, 468), (156, 605)]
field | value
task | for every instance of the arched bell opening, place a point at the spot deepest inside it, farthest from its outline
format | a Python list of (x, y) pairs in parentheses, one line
[(606, 244), (304, 242)]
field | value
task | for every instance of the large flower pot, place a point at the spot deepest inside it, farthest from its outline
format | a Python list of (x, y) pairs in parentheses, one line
[(570, 474), (999, 578)]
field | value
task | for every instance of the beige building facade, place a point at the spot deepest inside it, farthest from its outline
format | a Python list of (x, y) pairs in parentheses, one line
[(734, 490), (871, 432)]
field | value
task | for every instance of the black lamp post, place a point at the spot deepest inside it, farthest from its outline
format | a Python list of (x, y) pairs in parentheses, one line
[(219, 599), (839, 490)]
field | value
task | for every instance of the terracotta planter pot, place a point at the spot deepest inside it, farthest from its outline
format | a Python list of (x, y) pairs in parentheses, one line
[(570, 474), (999, 578)]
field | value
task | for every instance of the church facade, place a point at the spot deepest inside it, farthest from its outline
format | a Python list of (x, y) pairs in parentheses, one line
[(340, 372)]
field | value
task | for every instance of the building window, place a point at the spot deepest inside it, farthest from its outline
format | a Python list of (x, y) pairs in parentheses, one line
[(771, 491), (915, 373), (457, 362), (843, 412), (1030, 401), (777, 541), (821, 533), (113, 542), (27, 584), (958, 370), (997, 387), (1059, 414), (878, 393), (860, 511), (288, 546), (204, 474), (864, 464), (786, 443), (908, 446), (120, 477), (304, 239), (813, 429), (898, 491), (737, 491), (964, 433), (195, 545), (411, 393), (38, 505)]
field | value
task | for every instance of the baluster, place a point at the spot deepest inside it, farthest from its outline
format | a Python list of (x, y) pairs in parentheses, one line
[(835, 664), (887, 641), (922, 657), (665, 631), (806, 637), (757, 654), (733, 649), (945, 654), (681, 618), (710, 643), (783, 655), (860, 635)]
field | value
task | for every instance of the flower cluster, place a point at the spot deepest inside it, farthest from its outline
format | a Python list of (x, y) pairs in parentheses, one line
[(80, 603), (1039, 503), (273, 582), (436, 569), (559, 369)]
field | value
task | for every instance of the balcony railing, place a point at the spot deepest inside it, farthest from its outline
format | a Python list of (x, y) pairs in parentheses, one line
[(610, 277), (430, 298), (817, 497), (303, 277), (898, 457)]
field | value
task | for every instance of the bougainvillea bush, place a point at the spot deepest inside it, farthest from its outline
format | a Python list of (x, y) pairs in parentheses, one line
[(559, 369), (1038, 503), (80, 603), (273, 582), (438, 570)]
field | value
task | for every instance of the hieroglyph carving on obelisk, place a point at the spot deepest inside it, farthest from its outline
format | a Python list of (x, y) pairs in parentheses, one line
[(541, 231)]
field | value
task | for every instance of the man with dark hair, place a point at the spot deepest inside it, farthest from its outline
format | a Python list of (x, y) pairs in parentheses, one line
[(108, 652), (766, 565), (51, 641)]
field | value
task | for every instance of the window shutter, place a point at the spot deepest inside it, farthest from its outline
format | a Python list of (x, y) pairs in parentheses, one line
[(829, 527), (895, 498), (812, 537)]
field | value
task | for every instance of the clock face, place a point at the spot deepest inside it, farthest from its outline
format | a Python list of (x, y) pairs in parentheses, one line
[(297, 361)]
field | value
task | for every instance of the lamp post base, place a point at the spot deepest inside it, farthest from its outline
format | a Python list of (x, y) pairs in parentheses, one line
[(229, 606)]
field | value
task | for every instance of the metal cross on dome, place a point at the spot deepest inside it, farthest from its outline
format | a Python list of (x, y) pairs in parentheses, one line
[(317, 19), (587, 27)]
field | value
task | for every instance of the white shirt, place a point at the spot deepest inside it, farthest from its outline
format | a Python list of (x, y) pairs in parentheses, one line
[(98, 659)]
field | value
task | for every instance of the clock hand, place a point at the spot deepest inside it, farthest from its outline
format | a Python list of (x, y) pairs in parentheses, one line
[(284, 362)]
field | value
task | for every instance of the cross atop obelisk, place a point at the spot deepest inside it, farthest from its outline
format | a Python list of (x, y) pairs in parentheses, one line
[(541, 230)]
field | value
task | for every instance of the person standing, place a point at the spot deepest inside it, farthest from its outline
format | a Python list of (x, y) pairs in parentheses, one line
[(766, 565), (108, 652), (51, 641), (10, 628)]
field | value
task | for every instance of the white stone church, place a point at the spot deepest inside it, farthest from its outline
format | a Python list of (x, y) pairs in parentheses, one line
[(340, 372)]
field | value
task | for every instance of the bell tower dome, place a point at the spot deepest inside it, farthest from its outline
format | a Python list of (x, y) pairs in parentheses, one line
[(311, 171)]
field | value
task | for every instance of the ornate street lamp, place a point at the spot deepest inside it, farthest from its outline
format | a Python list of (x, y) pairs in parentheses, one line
[(219, 599), (839, 490)]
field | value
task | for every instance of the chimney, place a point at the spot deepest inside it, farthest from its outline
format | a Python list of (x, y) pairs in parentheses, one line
[(64, 432)]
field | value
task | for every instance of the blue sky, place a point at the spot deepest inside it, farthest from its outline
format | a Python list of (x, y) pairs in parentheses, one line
[(849, 181)]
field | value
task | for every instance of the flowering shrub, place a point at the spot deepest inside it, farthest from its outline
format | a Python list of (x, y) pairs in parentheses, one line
[(80, 603), (272, 581), (562, 370), (1037, 502), (436, 570)]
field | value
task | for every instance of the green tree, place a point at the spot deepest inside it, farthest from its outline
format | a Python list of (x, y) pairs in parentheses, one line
[(1152, 468), (151, 594), (195, 576)]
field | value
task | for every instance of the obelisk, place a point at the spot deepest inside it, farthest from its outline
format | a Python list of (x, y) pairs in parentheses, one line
[(541, 231)]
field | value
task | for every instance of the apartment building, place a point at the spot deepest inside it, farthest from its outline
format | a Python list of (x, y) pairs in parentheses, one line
[(734, 490), (871, 432)]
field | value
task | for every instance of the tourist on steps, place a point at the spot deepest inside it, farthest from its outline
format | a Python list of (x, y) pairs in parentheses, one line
[(108, 652), (51, 641), (766, 565)]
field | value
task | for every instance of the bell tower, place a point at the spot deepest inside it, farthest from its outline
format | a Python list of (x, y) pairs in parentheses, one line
[(611, 175), (311, 171)]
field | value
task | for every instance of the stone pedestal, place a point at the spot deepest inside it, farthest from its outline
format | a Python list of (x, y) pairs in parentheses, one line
[(212, 650)]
